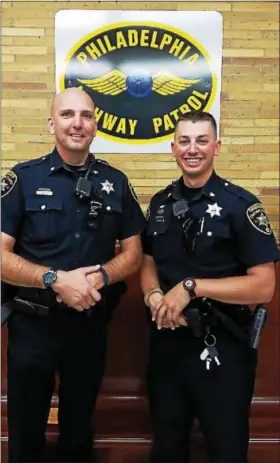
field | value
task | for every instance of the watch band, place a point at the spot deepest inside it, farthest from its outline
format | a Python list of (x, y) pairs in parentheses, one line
[(105, 276)]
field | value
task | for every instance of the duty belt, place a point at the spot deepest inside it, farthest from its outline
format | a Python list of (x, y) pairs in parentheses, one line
[(21, 305), (226, 320), (205, 312)]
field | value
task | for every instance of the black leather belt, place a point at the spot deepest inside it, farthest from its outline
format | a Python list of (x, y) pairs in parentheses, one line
[(30, 307)]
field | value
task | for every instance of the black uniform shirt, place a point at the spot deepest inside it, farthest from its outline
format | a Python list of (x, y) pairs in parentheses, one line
[(51, 224), (226, 232)]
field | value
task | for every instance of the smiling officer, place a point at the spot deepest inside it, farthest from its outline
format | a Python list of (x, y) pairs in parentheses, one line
[(208, 252), (61, 217)]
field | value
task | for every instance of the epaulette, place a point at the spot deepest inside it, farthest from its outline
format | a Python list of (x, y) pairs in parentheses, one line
[(101, 161), (32, 162), (164, 191), (238, 191), (114, 169)]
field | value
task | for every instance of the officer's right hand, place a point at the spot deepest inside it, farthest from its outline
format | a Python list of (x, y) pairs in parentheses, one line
[(157, 306), (73, 288), (154, 302)]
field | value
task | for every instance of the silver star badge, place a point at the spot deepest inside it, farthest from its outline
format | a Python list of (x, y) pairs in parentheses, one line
[(214, 209), (107, 186)]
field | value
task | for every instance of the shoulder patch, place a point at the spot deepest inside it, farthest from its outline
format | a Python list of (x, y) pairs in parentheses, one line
[(8, 182), (258, 218), (133, 192)]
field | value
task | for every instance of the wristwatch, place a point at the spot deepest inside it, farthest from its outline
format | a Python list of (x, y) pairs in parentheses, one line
[(105, 276), (189, 285), (49, 277)]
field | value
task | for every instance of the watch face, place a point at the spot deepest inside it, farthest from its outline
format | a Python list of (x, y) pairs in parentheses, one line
[(189, 284), (49, 277)]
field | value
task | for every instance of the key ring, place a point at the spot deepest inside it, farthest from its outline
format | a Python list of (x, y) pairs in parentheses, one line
[(211, 344)]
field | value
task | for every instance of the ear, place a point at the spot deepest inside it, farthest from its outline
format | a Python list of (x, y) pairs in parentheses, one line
[(95, 130), (173, 148), (218, 147), (50, 125)]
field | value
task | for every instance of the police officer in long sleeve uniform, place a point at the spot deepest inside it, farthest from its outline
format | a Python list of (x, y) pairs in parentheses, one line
[(61, 217), (209, 252)]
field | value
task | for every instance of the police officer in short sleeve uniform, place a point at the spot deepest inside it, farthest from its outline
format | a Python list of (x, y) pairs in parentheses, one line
[(201, 241), (53, 224)]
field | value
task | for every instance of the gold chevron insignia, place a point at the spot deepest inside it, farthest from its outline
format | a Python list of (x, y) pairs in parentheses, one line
[(112, 83), (165, 83)]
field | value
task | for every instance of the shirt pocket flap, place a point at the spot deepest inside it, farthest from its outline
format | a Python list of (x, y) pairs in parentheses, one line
[(219, 230), (212, 233), (46, 203), (157, 228), (113, 206)]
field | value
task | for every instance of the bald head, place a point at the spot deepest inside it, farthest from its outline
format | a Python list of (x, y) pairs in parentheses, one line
[(72, 122), (69, 95)]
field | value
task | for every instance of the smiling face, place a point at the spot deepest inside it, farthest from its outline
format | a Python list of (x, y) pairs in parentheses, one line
[(73, 124), (194, 148)]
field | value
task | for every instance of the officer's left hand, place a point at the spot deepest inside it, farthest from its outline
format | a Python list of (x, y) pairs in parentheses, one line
[(96, 279), (172, 305)]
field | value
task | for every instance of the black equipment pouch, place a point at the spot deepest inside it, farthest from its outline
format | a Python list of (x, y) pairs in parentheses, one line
[(6, 312), (194, 320), (7, 294)]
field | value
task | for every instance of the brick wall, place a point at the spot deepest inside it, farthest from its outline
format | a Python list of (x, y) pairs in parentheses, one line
[(249, 101)]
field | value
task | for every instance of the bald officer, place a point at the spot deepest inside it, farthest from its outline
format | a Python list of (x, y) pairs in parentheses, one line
[(61, 217)]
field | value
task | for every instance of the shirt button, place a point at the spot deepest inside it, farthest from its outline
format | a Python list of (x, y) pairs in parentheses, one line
[(108, 208), (155, 233), (209, 233), (77, 235), (43, 207), (226, 183), (52, 168), (212, 194), (95, 172)]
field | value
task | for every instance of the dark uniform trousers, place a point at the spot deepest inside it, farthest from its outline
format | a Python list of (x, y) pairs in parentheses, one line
[(72, 344), (180, 389)]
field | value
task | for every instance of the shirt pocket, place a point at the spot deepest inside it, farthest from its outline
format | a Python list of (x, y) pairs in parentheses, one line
[(45, 219), (112, 217), (212, 241), (158, 237)]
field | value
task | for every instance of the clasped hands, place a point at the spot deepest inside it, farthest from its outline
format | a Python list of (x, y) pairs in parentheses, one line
[(79, 288), (167, 309)]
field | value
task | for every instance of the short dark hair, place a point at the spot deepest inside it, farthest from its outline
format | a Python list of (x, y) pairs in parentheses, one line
[(197, 116)]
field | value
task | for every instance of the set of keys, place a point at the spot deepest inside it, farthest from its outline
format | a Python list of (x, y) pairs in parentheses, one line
[(210, 352)]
